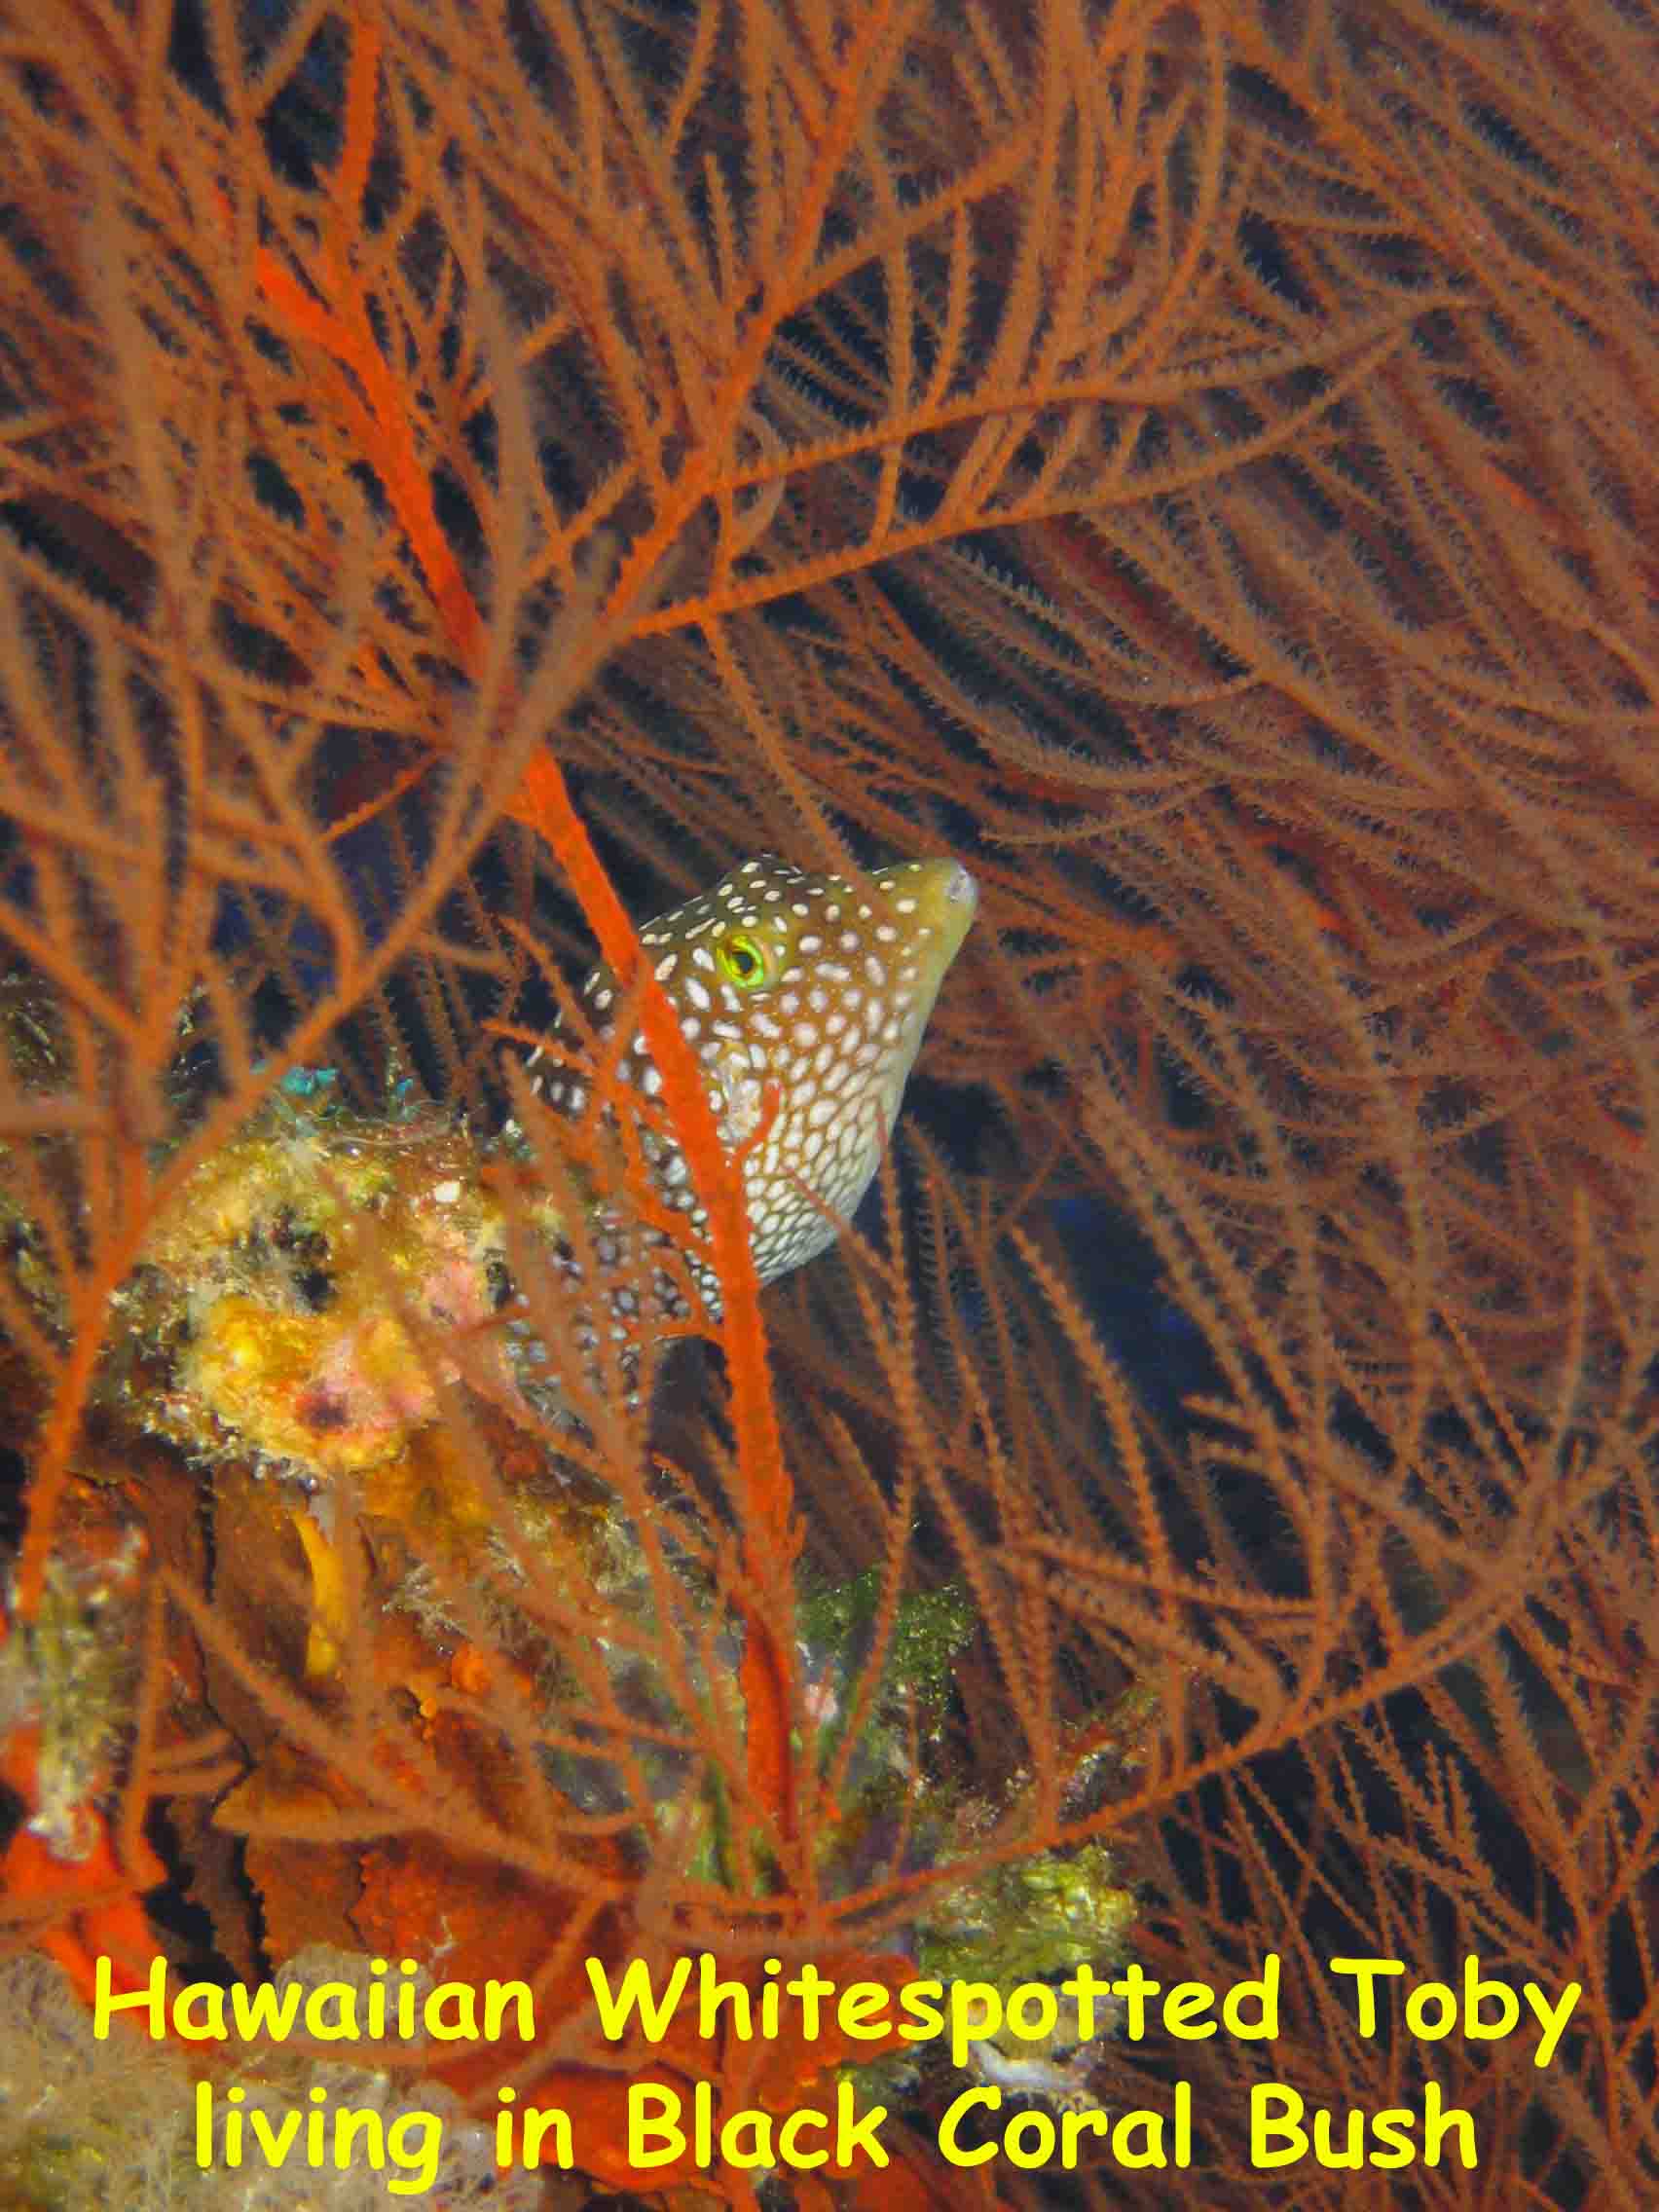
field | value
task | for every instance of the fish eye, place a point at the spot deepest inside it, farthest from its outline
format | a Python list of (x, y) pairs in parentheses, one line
[(741, 961)]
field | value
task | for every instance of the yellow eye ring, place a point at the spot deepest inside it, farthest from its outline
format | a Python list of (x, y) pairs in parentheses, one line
[(742, 961)]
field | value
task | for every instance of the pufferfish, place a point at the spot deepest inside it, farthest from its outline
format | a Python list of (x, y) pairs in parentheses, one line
[(805, 998)]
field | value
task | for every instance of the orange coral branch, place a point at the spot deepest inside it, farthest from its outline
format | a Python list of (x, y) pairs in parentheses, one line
[(772, 1536), (91, 1903), (381, 429), (343, 330)]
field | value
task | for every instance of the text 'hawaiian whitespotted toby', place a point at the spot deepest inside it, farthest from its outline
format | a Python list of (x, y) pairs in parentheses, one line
[(805, 998)]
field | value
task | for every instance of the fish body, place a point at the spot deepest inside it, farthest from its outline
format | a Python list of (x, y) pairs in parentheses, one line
[(805, 998)]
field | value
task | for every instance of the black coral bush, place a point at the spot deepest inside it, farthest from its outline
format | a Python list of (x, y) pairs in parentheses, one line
[(467, 479)]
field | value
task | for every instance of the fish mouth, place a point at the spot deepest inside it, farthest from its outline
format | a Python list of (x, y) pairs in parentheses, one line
[(947, 897)]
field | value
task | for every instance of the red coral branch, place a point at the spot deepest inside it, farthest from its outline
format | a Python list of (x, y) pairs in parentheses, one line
[(335, 317)]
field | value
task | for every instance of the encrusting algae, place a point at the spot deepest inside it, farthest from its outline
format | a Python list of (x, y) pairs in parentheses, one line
[(309, 1283)]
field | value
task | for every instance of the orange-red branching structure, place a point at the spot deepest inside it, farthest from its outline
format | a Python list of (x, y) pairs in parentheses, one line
[(468, 478)]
